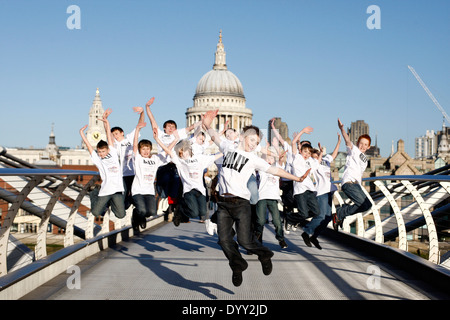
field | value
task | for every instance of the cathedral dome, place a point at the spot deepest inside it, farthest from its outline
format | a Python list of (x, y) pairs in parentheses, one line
[(219, 89), (219, 82)]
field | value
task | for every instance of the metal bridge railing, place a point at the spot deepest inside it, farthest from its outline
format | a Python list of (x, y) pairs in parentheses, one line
[(55, 197), (401, 204)]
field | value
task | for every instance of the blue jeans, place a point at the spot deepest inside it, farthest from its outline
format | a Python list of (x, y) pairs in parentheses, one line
[(307, 207), (237, 212), (194, 204), (145, 204), (324, 201), (99, 204), (252, 186), (261, 208), (355, 193)]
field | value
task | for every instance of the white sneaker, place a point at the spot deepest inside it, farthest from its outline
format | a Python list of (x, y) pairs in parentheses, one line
[(211, 227)]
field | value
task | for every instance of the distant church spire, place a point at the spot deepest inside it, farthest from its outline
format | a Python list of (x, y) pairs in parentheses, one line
[(220, 55)]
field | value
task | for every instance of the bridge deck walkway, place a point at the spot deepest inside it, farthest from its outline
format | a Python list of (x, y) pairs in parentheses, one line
[(185, 263)]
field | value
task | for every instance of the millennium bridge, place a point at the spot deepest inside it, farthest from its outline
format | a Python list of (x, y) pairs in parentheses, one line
[(373, 257)]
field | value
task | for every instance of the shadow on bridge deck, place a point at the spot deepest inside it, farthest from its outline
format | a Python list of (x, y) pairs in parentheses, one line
[(185, 263)]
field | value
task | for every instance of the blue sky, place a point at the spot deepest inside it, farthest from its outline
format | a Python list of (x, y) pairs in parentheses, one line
[(308, 62)]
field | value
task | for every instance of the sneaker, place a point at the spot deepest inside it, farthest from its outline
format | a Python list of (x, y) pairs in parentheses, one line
[(283, 244), (237, 278), (294, 227), (143, 222), (336, 222), (287, 227), (305, 237), (315, 242), (176, 219), (211, 227), (266, 266)]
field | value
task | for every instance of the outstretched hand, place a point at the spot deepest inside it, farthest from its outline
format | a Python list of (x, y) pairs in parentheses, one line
[(107, 113), (307, 130), (340, 125), (209, 116), (303, 177), (141, 125), (138, 109), (150, 102), (84, 128)]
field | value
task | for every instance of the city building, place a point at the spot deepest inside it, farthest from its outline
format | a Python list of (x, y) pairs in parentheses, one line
[(425, 146), (357, 128)]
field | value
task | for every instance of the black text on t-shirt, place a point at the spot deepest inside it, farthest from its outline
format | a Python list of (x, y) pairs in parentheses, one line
[(363, 157), (235, 161)]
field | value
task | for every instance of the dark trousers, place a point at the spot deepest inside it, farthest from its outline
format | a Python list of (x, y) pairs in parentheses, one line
[(237, 212), (168, 182), (360, 202), (307, 207)]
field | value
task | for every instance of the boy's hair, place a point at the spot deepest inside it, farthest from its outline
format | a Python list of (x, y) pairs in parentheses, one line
[(102, 144), (184, 145), (201, 133), (315, 151), (306, 146), (251, 129), (145, 143), (364, 136), (116, 129), (232, 129), (170, 122)]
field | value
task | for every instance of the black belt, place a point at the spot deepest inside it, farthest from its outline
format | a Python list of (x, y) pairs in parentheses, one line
[(230, 199)]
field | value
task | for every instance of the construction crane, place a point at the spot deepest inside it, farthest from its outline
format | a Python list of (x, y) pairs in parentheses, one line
[(430, 94)]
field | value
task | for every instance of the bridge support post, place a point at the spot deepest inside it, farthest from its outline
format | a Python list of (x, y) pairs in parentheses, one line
[(68, 238), (432, 233), (41, 242), (6, 226)]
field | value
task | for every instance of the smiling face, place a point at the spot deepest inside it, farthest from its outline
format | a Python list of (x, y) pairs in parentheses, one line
[(251, 141), (118, 135), (102, 152), (363, 144), (145, 151)]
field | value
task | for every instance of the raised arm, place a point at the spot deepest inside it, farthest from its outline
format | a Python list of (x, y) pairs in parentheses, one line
[(275, 132), (336, 149), (150, 114), (107, 126), (306, 130), (167, 149), (276, 171), (139, 126), (208, 118), (347, 140), (140, 110), (85, 140)]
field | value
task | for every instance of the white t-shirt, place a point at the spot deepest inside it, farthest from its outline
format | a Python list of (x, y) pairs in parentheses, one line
[(289, 158), (125, 151), (322, 174), (299, 168), (146, 168), (355, 164), (191, 171), (198, 148), (236, 169), (167, 139), (110, 172), (269, 185)]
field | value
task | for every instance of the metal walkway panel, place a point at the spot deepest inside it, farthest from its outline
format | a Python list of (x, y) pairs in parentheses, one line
[(186, 263)]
